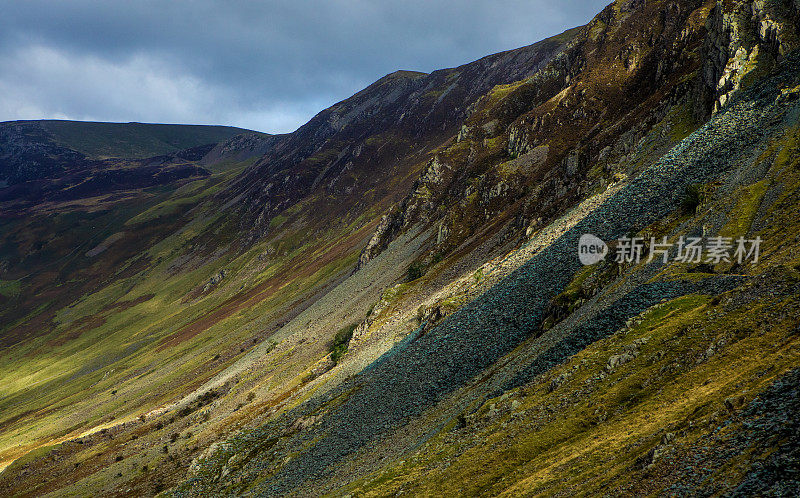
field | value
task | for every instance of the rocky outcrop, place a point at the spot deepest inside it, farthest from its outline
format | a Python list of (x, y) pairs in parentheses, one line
[(526, 149), (385, 232), (419, 205), (215, 279), (242, 147), (745, 40)]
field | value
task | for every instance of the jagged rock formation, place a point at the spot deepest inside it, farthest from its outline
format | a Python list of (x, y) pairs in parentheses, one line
[(745, 40)]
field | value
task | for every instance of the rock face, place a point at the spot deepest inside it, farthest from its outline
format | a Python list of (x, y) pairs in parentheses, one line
[(386, 230), (538, 139), (745, 40), (420, 205), (242, 147)]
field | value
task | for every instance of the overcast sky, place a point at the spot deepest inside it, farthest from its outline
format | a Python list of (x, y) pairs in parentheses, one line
[(264, 65)]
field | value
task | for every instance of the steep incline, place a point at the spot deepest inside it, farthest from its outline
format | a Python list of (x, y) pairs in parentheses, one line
[(373, 408), (360, 152)]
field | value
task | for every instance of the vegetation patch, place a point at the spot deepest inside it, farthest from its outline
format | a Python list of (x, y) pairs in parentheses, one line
[(748, 199), (341, 342), (278, 221), (693, 197), (683, 123), (10, 288)]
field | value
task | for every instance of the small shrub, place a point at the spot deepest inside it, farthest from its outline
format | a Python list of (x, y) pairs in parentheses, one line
[(341, 341), (207, 397), (415, 271), (692, 198)]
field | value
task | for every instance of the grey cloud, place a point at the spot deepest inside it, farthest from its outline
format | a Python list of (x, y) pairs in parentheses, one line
[(264, 65)]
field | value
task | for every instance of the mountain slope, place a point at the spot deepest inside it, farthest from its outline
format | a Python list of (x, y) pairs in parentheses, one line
[(390, 300), (360, 152), (457, 369), (164, 297)]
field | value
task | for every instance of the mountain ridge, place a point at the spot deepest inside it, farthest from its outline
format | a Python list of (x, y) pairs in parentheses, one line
[(390, 301)]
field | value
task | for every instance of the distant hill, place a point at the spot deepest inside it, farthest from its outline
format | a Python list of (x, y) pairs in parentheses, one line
[(97, 140), (35, 150), (132, 140)]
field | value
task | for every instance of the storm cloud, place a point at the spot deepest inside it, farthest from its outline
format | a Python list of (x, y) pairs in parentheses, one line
[(268, 66)]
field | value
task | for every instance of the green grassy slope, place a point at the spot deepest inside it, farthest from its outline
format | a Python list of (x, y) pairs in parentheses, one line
[(116, 313)]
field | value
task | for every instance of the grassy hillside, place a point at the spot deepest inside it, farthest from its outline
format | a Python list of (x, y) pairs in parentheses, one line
[(134, 140)]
